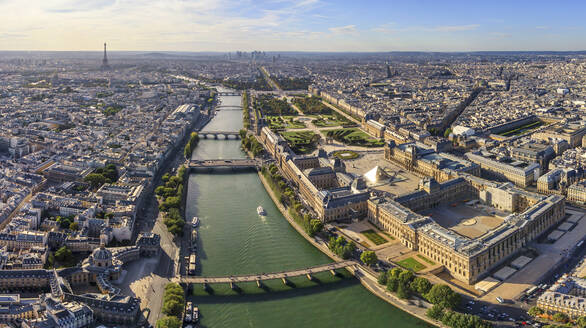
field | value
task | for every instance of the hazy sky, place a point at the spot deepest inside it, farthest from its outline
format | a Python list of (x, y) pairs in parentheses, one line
[(305, 25)]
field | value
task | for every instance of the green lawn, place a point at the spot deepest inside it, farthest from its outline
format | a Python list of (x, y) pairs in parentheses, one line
[(345, 154), (311, 105), (284, 122), (411, 264), (354, 137), (324, 121), (425, 259), (522, 129), (374, 237), (302, 142), (295, 125)]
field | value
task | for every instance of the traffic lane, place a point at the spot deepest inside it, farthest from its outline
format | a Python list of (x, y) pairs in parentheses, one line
[(509, 313)]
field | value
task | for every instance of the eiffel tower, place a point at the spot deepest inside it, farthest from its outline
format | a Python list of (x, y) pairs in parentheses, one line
[(105, 65)]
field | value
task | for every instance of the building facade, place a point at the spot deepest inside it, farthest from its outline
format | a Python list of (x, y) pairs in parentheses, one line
[(467, 259)]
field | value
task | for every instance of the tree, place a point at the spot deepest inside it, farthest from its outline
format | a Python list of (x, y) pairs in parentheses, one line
[(435, 312), (535, 311), (392, 284), (173, 300), (406, 276), (315, 138), (173, 288), (315, 226), (421, 285), (169, 322), (95, 180), (160, 190), (368, 257), (176, 229), (242, 133), (581, 322), (172, 307), (165, 177), (395, 272), (403, 291), (63, 254), (74, 226), (341, 247), (174, 214), (172, 202), (447, 132), (64, 222), (347, 250), (382, 278), (560, 317), (443, 295), (173, 182), (50, 261)]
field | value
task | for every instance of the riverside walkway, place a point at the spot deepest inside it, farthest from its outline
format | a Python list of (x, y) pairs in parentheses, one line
[(267, 276)]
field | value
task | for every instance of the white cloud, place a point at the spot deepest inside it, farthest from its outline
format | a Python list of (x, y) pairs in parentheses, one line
[(455, 28), (145, 24), (347, 29), (388, 28)]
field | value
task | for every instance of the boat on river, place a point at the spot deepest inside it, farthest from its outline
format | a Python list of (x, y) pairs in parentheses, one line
[(195, 221), (195, 314), (260, 210)]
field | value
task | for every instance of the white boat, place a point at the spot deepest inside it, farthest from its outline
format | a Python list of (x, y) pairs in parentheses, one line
[(195, 221), (260, 210), (195, 314), (188, 311)]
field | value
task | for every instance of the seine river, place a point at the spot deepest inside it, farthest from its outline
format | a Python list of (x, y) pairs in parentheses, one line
[(235, 240)]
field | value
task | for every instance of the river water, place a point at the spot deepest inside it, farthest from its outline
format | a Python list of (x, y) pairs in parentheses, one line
[(234, 239)]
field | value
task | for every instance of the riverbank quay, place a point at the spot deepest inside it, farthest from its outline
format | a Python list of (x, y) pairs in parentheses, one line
[(362, 273), (151, 293)]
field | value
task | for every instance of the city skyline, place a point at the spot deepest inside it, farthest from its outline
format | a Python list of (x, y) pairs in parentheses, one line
[(292, 163), (287, 25)]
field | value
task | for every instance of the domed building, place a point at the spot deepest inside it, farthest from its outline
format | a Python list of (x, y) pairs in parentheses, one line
[(101, 257), (102, 262)]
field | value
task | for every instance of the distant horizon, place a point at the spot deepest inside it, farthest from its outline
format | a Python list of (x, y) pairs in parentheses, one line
[(293, 25), (308, 51)]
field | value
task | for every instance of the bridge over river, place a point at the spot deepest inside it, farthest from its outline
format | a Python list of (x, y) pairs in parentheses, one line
[(258, 278), (225, 163), (233, 93), (215, 134)]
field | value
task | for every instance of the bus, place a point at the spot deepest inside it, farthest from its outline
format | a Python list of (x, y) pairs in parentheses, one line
[(192, 259)]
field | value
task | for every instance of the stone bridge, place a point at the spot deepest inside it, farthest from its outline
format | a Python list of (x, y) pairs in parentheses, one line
[(216, 134)]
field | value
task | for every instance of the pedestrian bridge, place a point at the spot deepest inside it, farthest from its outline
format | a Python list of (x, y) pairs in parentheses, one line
[(259, 278), (215, 134)]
